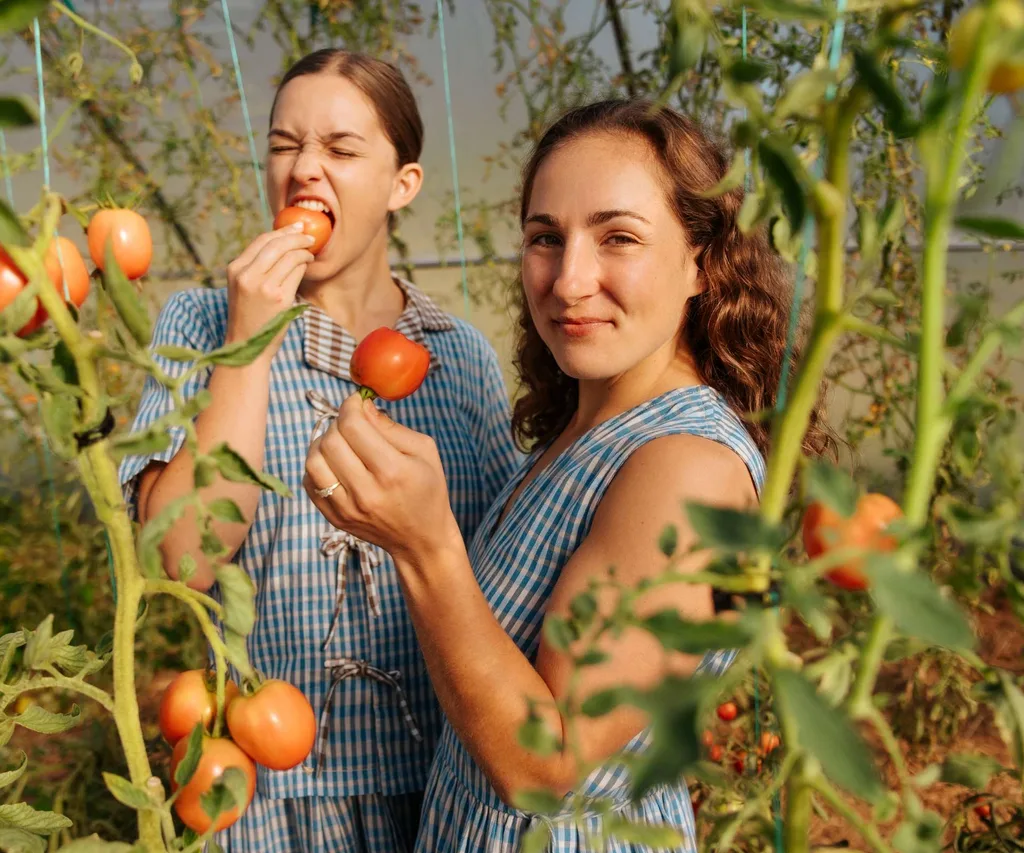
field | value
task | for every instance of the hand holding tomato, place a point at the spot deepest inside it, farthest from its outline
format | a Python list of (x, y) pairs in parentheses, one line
[(314, 223), (388, 483), (263, 280)]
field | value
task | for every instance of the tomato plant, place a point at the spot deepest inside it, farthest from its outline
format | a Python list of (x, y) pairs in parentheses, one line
[(387, 364), (1005, 76), (825, 530), (128, 233), (189, 699), (274, 724), (217, 755), (314, 223)]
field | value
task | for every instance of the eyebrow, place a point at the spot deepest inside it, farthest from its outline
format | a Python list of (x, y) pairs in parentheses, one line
[(331, 137), (599, 217)]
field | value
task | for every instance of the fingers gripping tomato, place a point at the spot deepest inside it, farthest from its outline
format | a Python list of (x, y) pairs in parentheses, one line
[(388, 365), (275, 724), (189, 699), (824, 530), (218, 754), (128, 233), (314, 223)]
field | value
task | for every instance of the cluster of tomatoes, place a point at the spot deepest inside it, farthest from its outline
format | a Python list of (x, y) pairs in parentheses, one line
[(132, 245), (270, 723)]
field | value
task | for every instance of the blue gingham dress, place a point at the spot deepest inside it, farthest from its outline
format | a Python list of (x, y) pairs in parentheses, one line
[(330, 614), (517, 565)]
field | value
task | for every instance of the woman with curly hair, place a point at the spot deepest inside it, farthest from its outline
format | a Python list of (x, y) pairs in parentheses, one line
[(650, 326)]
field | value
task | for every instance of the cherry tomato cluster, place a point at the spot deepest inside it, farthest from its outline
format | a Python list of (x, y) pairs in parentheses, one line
[(825, 530), (742, 763), (271, 724), (132, 245)]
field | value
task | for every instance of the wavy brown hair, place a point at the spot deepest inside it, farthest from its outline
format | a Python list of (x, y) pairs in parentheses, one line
[(736, 328)]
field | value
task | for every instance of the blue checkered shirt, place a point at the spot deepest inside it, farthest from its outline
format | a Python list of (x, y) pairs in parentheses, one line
[(330, 614)]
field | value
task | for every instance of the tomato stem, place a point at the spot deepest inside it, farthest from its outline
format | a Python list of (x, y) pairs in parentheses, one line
[(367, 393)]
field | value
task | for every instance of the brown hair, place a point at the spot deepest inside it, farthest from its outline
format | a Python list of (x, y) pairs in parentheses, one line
[(736, 327), (381, 82)]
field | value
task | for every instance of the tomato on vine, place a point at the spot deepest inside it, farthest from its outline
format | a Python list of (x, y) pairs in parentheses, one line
[(825, 530), (189, 699), (217, 755), (274, 724), (727, 712), (128, 233), (388, 365)]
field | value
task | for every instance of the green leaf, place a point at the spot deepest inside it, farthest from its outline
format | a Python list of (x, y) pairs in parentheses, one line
[(536, 839), (831, 486), (593, 657), (190, 761), (535, 736), (605, 701), (16, 112), (972, 309), (125, 298), (236, 651), (668, 541), (225, 509), (12, 232), (732, 178), (748, 70), (992, 226), (882, 298), (804, 93), (559, 633), (18, 14), (914, 603), (246, 352), (238, 593), (694, 638), (150, 441), (971, 771), (221, 797), (6, 731), (234, 468), (187, 568), (658, 837), (538, 802), (14, 317), (58, 413), (204, 472), (11, 776), (687, 40), (95, 844), (176, 353), (732, 530), (783, 167), (975, 524), (37, 719), (23, 816), (880, 82), (757, 207), (154, 532), (126, 793), (583, 608), (38, 652), (921, 836), (810, 605), (20, 841), (827, 734)]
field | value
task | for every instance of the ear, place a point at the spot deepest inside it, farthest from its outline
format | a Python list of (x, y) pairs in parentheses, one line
[(696, 281), (406, 186)]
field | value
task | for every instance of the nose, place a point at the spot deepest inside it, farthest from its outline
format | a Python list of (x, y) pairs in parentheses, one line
[(578, 272), (307, 166)]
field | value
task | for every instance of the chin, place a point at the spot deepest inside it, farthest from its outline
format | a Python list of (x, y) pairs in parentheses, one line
[(584, 366)]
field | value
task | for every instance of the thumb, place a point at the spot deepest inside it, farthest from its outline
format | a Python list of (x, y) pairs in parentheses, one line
[(402, 438)]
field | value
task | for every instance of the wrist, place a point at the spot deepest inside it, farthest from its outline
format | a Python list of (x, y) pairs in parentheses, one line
[(431, 558)]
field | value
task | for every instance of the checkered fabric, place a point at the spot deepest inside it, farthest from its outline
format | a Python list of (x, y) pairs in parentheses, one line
[(517, 564), (309, 626)]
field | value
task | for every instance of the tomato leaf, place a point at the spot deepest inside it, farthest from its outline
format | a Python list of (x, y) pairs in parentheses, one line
[(992, 226), (187, 568), (246, 352), (592, 657), (538, 801), (233, 467), (189, 763), (1007, 702), (827, 734), (20, 841), (95, 844), (810, 605), (536, 839), (236, 650), (914, 603), (748, 70), (668, 541), (560, 633), (783, 167), (583, 608), (125, 298), (229, 791), (655, 836), (605, 701), (145, 443), (16, 112), (693, 638), (237, 592), (831, 486), (176, 353), (37, 719), (37, 649), (535, 735), (126, 793), (58, 413), (20, 311), (880, 83), (923, 835), (12, 232), (153, 535), (804, 94), (225, 509), (971, 771), (23, 816), (791, 10), (732, 530), (9, 777)]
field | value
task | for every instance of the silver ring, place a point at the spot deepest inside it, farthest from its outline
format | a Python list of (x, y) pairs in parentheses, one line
[(326, 493)]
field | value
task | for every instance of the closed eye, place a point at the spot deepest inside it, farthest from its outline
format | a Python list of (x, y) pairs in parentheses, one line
[(282, 149), (622, 239)]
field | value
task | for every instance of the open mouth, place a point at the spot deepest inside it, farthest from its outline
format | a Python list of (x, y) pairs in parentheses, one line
[(315, 204)]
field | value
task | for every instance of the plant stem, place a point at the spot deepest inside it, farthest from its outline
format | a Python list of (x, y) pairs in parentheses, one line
[(870, 663), (182, 592), (61, 682), (868, 832), (96, 31)]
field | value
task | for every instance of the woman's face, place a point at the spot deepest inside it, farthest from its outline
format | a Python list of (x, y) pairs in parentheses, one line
[(606, 265), (328, 150)]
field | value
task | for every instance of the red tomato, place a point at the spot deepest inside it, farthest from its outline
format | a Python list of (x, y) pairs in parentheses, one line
[(769, 742), (218, 754), (984, 811), (824, 529), (707, 738), (189, 699), (275, 725), (387, 363), (740, 763), (715, 753), (133, 244), (727, 711), (11, 284), (314, 223)]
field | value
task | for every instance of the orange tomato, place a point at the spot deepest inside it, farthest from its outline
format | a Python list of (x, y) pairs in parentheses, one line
[(189, 699), (11, 280), (390, 365), (129, 233), (275, 725), (314, 223), (727, 712), (825, 530), (218, 754)]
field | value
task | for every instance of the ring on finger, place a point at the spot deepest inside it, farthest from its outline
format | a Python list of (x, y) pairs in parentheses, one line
[(328, 491)]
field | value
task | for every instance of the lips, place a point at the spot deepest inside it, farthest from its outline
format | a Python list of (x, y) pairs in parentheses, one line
[(577, 327), (310, 202)]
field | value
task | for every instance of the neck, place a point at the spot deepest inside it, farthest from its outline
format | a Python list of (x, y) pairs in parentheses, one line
[(362, 296)]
